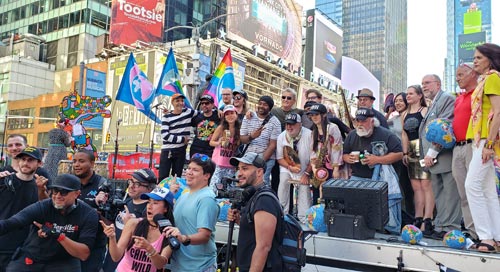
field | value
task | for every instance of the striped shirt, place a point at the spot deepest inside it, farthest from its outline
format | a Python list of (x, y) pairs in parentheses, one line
[(174, 127), (271, 131)]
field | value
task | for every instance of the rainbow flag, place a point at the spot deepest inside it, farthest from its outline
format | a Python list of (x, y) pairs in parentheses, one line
[(222, 78), (169, 83)]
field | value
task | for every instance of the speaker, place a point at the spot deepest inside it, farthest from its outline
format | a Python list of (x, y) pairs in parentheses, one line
[(366, 198), (349, 226)]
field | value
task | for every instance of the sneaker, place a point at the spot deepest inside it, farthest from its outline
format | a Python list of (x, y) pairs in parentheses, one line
[(428, 228), (438, 235)]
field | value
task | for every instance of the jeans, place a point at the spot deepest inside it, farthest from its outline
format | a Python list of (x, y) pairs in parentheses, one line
[(267, 174)]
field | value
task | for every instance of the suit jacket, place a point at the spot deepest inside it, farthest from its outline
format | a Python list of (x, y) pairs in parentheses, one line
[(442, 107)]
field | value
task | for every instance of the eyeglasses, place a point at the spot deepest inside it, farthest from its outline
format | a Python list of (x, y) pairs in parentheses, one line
[(205, 103), (286, 97), (428, 82), (201, 157), (135, 184), (62, 192), (226, 94), (312, 98), (238, 97)]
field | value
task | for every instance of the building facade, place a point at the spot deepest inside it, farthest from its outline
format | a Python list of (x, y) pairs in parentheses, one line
[(375, 34), (332, 9)]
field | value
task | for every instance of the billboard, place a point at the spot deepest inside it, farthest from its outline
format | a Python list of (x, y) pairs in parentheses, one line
[(356, 76), (95, 86), (323, 47), (133, 20), (274, 25), (467, 44)]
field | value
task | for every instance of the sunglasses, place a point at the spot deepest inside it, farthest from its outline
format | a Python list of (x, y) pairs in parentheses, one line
[(286, 97), (62, 192), (238, 97), (201, 157), (135, 184)]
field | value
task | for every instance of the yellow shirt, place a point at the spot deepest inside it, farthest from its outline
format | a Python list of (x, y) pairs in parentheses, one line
[(491, 87)]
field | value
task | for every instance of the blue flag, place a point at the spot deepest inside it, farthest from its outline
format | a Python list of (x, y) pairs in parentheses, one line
[(169, 83), (136, 90)]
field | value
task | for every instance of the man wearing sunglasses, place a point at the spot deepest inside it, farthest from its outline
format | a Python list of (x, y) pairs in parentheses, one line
[(204, 125), (17, 191), (196, 214), (64, 230), (240, 98)]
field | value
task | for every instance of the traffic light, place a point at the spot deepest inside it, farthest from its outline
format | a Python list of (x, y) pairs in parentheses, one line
[(108, 136)]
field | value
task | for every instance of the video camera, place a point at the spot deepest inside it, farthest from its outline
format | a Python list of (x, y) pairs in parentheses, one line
[(7, 183), (114, 204), (228, 188)]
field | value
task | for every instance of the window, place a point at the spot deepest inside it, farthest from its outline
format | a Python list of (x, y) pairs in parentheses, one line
[(72, 51), (48, 112), (43, 139), (23, 120)]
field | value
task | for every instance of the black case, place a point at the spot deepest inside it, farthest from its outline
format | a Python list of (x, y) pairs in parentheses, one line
[(348, 226)]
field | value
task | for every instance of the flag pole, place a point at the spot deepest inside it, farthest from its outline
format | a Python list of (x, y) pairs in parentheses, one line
[(152, 146)]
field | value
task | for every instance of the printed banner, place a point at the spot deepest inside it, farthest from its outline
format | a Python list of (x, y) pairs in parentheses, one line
[(95, 86), (127, 164)]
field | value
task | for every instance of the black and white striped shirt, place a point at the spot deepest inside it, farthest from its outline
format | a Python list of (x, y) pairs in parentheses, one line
[(174, 127)]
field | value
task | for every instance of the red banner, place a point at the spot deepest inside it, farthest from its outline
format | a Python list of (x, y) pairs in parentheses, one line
[(133, 20), (127, 164)]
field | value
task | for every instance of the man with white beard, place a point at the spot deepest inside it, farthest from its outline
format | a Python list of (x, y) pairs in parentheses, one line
[(369, 133)]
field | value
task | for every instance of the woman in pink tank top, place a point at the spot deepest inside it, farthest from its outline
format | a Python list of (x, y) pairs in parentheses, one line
[(142, 246)]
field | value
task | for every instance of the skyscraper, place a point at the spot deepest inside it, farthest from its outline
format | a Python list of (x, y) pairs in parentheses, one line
[(375, 34), (331, 8)]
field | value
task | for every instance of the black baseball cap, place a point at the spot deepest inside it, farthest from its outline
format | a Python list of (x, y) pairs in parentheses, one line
[(363, 113), (243, 93), (293, 118), (317, 109), (249, 158), (207, 97), (309, 104), (144, 175), (32, 152), (67, 182)]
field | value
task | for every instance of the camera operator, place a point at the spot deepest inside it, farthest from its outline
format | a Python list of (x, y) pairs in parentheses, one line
[(93, 192), (142, 246), (17, 191), (142, 181), (257, 247), (195, 214), (64, 230)]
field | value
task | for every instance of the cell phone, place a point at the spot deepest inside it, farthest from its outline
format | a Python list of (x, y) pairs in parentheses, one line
[(422, 162)]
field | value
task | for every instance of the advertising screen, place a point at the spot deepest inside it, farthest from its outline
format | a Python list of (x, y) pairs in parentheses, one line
[(95, 86), (133, 20), (274, 25), (467, 44), (328, 49)]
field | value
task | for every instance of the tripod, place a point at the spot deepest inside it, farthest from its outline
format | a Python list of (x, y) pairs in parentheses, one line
[(116, 147)]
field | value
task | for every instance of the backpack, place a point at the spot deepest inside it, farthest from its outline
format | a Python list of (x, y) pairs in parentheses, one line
[(291, 237)]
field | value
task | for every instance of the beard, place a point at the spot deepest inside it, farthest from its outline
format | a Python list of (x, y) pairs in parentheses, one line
[(362, 132), (57, 207)]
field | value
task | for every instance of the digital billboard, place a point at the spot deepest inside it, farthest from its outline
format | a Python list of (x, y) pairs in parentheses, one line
[(467, 44), (133, 20), (95, 86), (274, 25)]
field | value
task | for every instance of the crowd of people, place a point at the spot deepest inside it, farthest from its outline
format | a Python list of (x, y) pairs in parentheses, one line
[(51, 223)]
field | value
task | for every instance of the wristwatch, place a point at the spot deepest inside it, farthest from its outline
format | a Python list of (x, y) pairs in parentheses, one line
[(187, 242)]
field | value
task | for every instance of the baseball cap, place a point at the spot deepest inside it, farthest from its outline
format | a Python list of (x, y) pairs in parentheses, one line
[(365, 93), (175, 96), (67, 182), (317, 108), (309, 104), (32, 152), (144, 175), (249, 158), (207, 97), (229, 108), (243, 93), (293, 118), (363, 113), (160, 193)]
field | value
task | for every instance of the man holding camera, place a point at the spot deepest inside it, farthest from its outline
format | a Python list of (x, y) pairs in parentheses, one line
[(17, 191), (257, 240), (65, 230), (141, 182), (93, 192), (195, 216)]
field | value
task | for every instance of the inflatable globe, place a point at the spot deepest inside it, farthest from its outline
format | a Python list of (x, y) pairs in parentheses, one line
[(314, 218), (224, 205), (411, 234), (455, 239), (182, 185), (440, 131)]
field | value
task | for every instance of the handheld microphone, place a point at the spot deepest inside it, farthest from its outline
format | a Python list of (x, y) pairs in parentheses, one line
[(162, 223), (119, 121)]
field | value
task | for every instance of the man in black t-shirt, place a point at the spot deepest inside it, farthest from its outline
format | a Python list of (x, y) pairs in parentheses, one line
[(17, 191), (204, 125), (64, 230), (92, 193), (361, 140), (253, 250)]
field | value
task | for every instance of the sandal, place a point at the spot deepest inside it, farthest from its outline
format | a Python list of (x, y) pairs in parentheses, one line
[(489, 248)]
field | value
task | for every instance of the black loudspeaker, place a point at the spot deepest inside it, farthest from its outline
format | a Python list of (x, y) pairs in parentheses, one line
[(348, 226), (366, 198)]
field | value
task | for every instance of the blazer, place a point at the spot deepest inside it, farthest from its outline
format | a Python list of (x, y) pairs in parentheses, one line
[(442, 107)]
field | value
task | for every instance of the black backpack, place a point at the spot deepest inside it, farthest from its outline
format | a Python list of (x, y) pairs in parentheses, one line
[(291, 236)]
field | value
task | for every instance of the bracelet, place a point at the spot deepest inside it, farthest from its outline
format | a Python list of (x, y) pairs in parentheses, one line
[(151, 254), (489, 144), (404, 154), (61, 237), (307, 173)]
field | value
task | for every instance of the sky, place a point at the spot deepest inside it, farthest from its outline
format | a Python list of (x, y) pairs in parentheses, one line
[(426, 37)]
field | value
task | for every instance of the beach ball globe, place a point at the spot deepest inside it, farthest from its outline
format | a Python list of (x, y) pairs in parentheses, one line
[(440, 131), (224, 205), (455, 239), (411, 234), (314, 218)]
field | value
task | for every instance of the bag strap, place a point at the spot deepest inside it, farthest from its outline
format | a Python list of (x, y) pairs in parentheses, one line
[(261, 192)]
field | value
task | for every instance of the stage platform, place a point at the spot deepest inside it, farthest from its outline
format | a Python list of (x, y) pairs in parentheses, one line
[(385, 252)]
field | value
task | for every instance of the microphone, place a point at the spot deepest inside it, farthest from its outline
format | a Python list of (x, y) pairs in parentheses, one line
[(119, 121), (161, 221), (157, 105)]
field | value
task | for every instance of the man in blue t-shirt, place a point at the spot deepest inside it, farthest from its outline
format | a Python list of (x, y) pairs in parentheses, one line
[(196, 214)]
